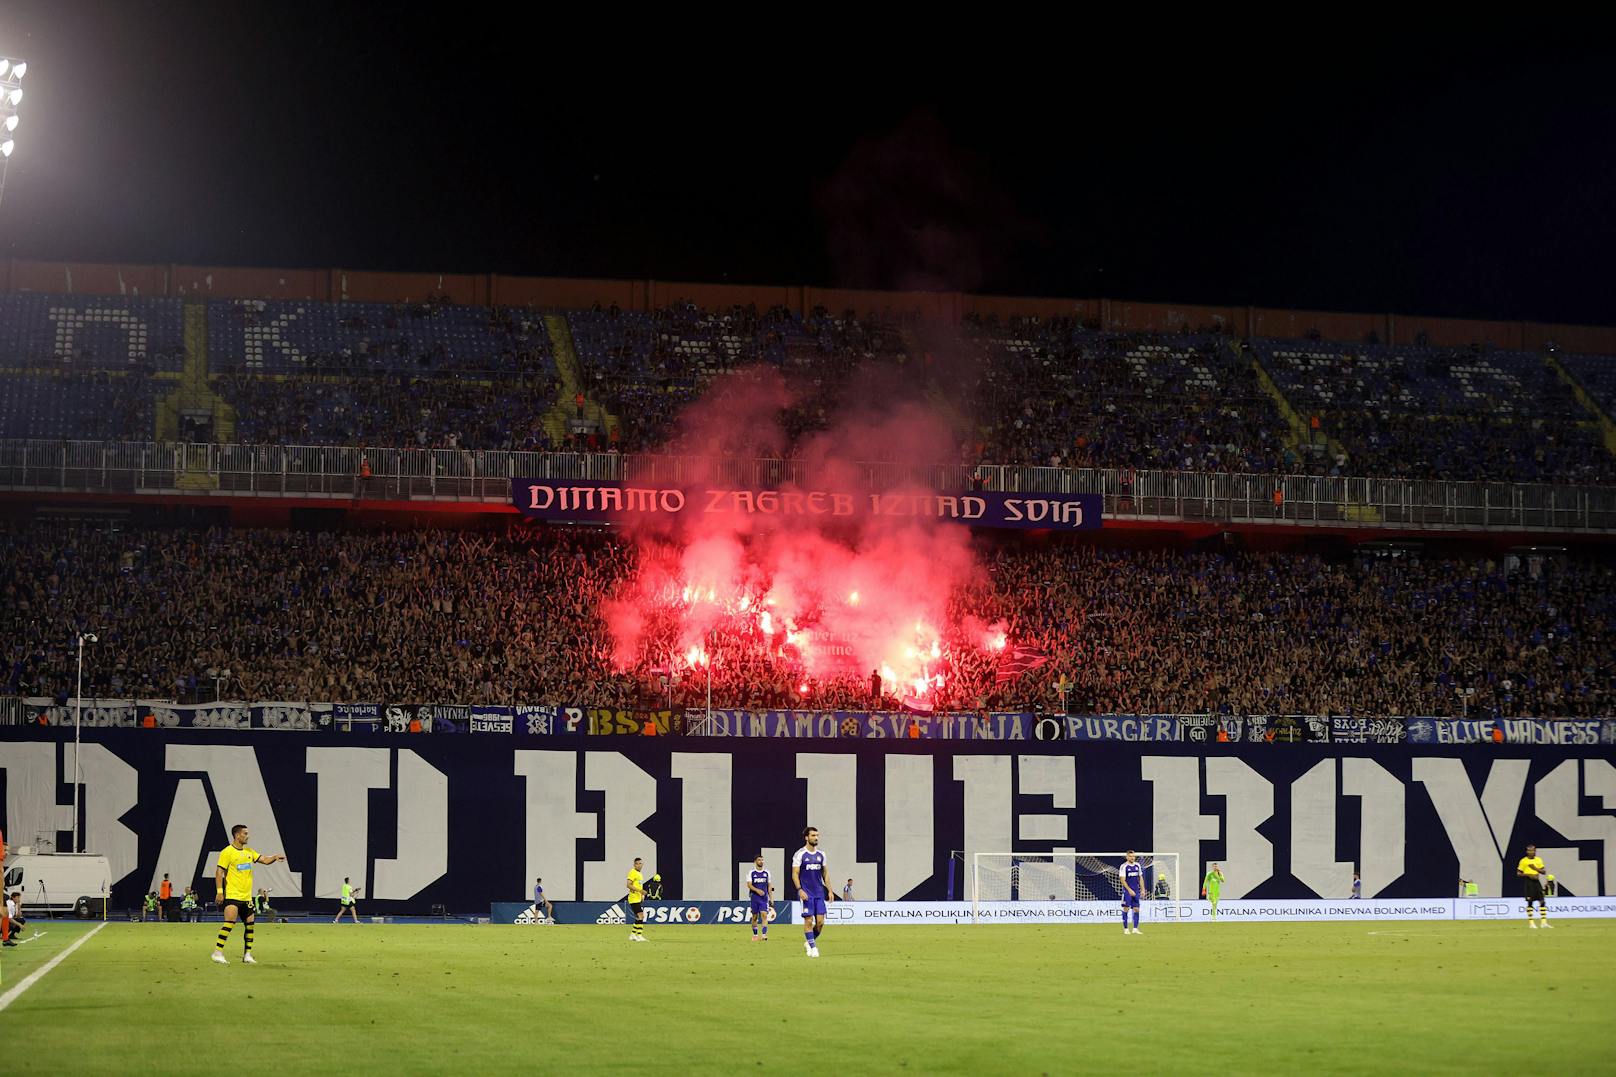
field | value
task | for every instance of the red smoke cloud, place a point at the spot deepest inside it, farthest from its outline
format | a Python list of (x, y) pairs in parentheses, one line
[(801, 599)]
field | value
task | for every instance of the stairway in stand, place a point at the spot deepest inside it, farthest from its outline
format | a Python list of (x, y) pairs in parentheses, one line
[(571, 377), (195, 403)]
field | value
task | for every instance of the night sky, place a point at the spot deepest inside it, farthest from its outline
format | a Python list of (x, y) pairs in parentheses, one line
[(1436, 178)]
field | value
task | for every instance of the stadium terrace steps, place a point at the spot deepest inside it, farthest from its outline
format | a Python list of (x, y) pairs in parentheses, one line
[(166, 423), (1301, 435), (196, 373), (572, 384), (1607, 428), (195, 396), (566, 361)]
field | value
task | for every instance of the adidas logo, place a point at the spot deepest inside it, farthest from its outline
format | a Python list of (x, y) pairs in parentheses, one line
[(613, 915)]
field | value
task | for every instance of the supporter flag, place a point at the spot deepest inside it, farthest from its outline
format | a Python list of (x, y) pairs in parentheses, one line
[(1016, 661)]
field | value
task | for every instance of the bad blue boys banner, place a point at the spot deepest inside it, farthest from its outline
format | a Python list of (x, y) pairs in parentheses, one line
[(601, 502), (468, 820)]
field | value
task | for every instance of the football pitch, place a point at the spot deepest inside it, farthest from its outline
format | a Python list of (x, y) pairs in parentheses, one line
[(1404, 997)]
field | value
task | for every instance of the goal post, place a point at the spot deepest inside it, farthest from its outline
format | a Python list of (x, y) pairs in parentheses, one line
[(1076, 876)]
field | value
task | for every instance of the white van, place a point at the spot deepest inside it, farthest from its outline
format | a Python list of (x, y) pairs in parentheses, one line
[(58, 882)]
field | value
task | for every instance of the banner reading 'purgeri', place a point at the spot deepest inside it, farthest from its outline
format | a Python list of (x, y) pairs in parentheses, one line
[(587, 501)]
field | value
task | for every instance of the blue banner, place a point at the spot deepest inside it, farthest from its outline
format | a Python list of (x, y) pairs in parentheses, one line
[(1566, 731), (493, 720), (587, 500), (863, 725), (1158, 727)]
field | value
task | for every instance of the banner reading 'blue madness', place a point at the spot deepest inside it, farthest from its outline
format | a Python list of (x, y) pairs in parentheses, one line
[(602, 502)]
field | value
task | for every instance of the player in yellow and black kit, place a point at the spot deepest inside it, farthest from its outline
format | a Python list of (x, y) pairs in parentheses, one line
[(636, 895), (1531, 870), (233, 876)]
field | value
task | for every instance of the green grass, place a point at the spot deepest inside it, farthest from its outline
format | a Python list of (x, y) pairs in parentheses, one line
[(1276, 998)]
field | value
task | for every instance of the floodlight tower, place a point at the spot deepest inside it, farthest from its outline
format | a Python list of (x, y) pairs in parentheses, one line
[(11, 72)]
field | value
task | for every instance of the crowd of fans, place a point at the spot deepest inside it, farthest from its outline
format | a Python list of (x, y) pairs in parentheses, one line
[(1473, 447), (517, 616), (91, 404), (395, 410), (1420, 413), (647, 369), (1058, 395), (1164, 632)]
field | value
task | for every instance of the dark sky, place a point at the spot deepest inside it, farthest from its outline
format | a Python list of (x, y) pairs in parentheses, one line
[(1433, 178)]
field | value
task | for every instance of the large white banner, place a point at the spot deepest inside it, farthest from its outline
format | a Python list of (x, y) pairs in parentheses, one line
[(1200, 912), (1515, 908), (959, 912), (1339, 909)]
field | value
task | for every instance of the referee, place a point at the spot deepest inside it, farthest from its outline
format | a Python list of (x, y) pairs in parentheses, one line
[(1532, 871)]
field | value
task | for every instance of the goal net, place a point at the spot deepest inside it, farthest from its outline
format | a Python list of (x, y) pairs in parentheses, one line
[(1067, 876)]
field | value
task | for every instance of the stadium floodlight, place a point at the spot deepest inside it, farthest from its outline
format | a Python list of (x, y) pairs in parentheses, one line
[(11, 72)]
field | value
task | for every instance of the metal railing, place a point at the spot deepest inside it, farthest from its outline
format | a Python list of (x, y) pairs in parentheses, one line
[(484, 475)]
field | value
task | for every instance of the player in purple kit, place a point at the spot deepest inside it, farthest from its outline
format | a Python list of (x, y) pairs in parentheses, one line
[(808, 874), (1132, 878), (761, 887)]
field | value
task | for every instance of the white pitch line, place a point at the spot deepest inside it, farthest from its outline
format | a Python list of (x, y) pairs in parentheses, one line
[(28, 981)]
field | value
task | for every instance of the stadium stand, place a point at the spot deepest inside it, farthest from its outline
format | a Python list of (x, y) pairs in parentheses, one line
[(77, 404), (282, 337), (1422, 413), (452, 411), (422, 375), (85, 366), (1597, 375), (1062, 396), (90, 333), (646, 367), (516, 617), (1026, 391)]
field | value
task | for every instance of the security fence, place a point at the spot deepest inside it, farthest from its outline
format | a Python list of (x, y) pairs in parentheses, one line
[(481, 476)]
